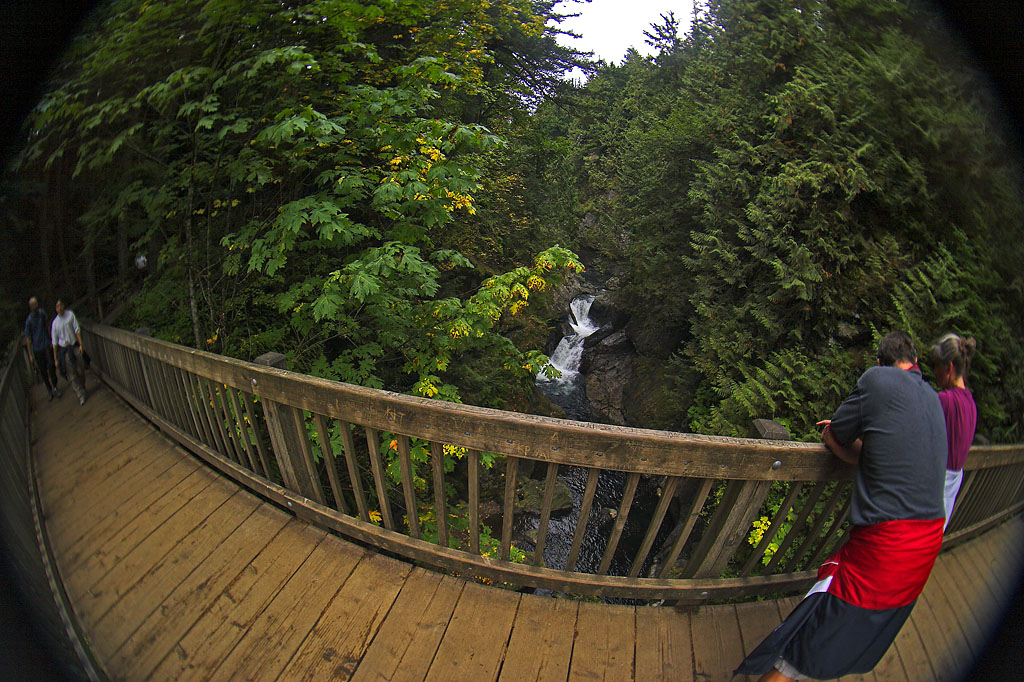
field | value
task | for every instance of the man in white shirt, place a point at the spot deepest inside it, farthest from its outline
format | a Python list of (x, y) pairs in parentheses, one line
[(63, 332)]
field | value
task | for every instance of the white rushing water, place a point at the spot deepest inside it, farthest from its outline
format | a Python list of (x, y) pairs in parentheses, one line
[(569, 352)]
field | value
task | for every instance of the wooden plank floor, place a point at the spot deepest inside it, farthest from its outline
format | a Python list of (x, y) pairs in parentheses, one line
[(178, 574)]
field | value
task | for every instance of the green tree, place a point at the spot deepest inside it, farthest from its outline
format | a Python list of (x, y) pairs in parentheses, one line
[(295, 168)]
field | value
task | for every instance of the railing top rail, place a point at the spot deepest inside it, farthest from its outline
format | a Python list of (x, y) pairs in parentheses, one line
[(528, 436)]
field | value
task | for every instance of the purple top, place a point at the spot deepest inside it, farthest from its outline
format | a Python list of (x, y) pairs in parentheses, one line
[(961, 420)]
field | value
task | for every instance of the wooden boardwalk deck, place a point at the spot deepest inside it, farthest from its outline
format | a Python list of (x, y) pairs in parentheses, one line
[(177, 574)]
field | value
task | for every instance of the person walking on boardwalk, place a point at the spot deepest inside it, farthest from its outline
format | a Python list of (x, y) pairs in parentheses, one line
[(891, 426), (63, 333), (951, 358), (37, 340)]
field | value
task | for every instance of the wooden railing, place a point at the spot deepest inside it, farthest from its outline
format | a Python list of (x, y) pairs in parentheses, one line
[(371, 465), (23, 540)]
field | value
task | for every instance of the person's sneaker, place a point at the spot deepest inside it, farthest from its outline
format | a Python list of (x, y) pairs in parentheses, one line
[(81, 400), (57, 392), (49, 394)]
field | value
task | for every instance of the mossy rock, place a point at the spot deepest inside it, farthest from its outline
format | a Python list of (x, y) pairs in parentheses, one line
[(531, 497)]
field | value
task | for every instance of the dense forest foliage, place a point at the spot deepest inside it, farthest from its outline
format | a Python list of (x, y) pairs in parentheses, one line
[(781, 188), (380, 190), (299, 175)]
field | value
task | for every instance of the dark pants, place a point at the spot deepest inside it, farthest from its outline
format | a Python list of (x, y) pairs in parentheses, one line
[(67, 356), (44, 363)]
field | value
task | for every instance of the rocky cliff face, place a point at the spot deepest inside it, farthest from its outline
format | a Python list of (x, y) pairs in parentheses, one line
[(608, 367), (624, 364)]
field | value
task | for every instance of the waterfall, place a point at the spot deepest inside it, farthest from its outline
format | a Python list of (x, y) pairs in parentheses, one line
[(567, 390)]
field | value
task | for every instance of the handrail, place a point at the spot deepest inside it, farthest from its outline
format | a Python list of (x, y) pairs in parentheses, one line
[(250, 421)]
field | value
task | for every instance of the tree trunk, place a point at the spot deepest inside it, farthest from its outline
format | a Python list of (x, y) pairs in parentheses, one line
[(190, 273), (90, 276), (45, 257), (124, 260)]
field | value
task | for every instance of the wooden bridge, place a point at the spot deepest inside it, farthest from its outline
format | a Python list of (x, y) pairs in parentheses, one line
[(241, 540)]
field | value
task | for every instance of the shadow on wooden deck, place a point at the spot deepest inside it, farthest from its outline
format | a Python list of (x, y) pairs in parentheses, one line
[(176, 573)]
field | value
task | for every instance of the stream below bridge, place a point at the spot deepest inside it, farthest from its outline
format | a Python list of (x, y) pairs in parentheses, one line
[(568, 391)]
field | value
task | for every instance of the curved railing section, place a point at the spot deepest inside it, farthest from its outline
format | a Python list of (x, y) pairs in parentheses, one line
[(25, 545), (729, 517)]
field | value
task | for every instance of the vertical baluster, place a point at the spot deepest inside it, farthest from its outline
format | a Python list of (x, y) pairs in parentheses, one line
[(352, 464), (189, 424), (509, 506), (119, 365), (117, 373), (620, 522), (126, 371), (139, 377), (235, 424), (550, 479), (1014, 473), (955, 521), (133, 378), (103, 346), (405, 466), (257, 437), (203, 411), (197, 404), (192, 406), (158, 383), (227, 421), (163, 389), (473, 474), (819, 523), (581, 523), (827, 540), (216, 423), (251, 430), (773, 529), (327, 455), (1000, 492), (243, 430), (373, 444), (155, 400), (684, 533), (667, 491), (969, 515), (440, 508), (316, 488), (1000, 501), (798, 524), (129, 373)]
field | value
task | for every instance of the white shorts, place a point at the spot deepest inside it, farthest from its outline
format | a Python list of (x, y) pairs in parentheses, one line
[(953, 480), (787, 669)]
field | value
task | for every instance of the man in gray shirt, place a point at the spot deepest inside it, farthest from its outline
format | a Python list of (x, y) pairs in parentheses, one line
[(892, 427)]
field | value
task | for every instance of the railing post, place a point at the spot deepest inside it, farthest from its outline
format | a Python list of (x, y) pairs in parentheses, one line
[(769, 429), (283, 422)]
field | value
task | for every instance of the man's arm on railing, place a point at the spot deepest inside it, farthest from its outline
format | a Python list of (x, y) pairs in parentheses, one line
[(848, 453)]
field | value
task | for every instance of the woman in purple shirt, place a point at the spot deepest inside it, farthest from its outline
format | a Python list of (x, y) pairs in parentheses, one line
[(951, 359)]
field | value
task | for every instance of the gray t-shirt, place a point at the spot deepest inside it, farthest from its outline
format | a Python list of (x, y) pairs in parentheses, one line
[(902, 466)]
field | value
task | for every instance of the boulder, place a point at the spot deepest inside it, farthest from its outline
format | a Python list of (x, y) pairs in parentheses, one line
[(606, 311), (609, 369), (654, 340), (603, 332), (541, 404), (531, 497)]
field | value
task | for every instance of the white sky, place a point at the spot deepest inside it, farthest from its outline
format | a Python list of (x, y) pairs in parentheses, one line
[(610, 27)]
